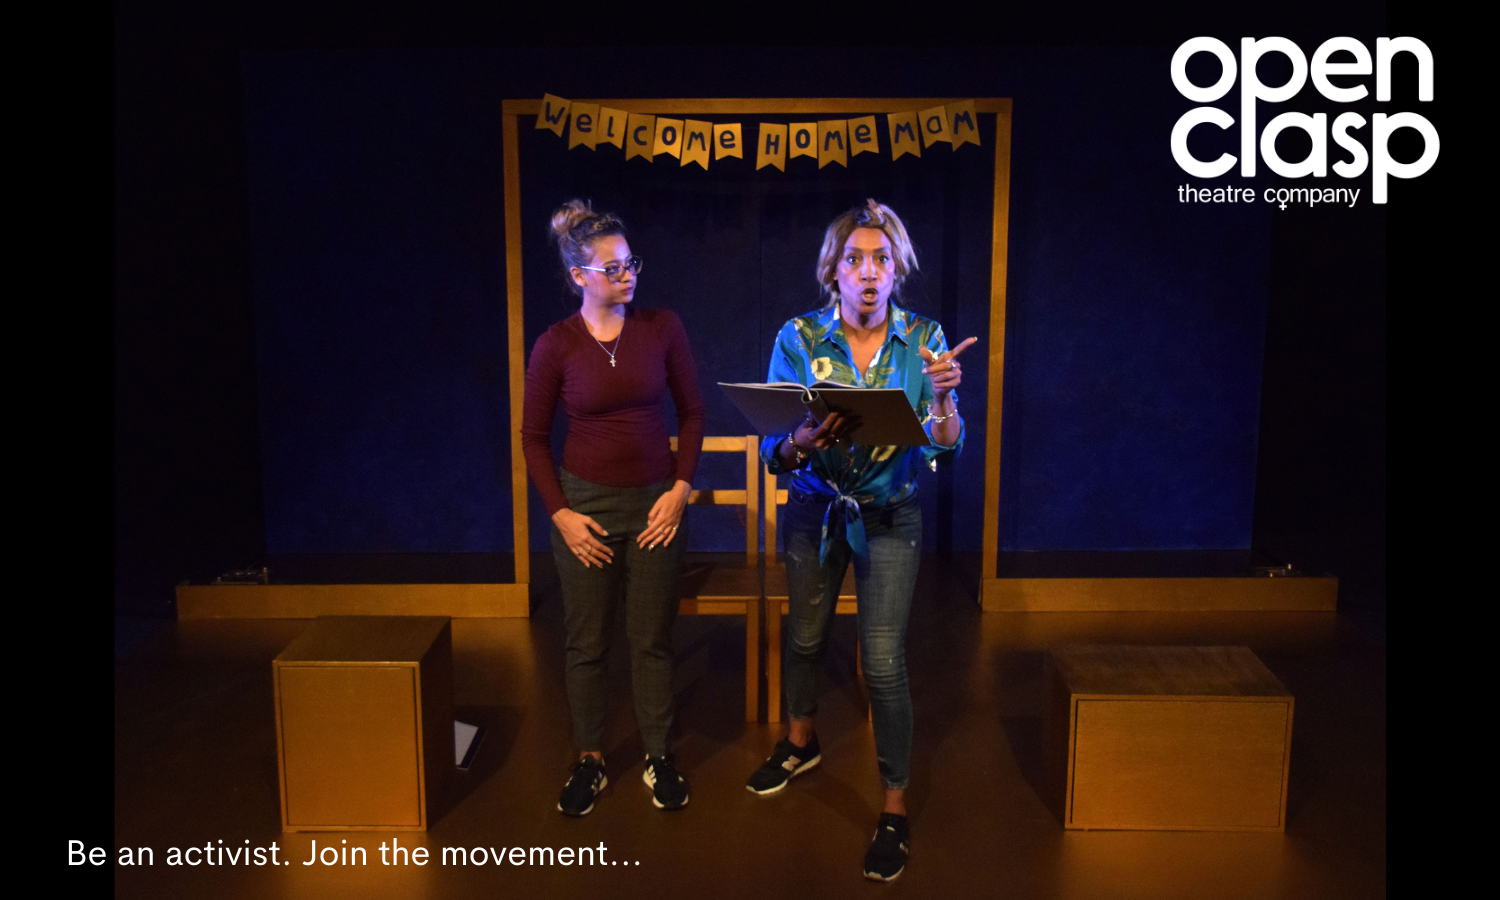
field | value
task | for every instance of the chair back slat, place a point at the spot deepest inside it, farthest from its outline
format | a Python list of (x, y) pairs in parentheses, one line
[(725, 590), (748, 496)]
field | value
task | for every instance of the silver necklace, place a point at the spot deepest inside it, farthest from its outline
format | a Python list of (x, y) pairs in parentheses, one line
[(617, 344)]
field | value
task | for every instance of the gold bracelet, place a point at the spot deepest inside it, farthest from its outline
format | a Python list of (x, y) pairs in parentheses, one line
[(800, 454)]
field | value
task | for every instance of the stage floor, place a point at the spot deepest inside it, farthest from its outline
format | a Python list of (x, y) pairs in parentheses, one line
[(195, 763)]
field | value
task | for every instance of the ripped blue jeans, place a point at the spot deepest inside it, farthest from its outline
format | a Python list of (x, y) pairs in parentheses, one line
[(884, 582)]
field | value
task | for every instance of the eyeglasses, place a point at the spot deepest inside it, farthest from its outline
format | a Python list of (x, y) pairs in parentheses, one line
[(614, 270)]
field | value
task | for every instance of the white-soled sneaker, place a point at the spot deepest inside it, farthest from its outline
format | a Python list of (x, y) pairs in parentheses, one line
[(669, 790), (886, 857), (583, 786), (787, 762)]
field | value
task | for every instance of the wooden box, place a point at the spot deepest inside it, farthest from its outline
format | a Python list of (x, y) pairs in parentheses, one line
[(1172, 738), (364, 723)]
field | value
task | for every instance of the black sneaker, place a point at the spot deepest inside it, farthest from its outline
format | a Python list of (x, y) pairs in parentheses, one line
[(583, 786), (669, 790), (787, 762), (887, 854)]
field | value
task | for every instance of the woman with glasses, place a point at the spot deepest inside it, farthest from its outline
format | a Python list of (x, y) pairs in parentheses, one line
[(617, 501), (851, 502)]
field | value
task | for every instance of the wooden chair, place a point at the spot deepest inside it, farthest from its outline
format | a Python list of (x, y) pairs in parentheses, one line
[(778, 603), (719, 586)]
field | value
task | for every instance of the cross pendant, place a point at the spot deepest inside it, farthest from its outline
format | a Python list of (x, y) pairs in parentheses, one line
[(611, 362)]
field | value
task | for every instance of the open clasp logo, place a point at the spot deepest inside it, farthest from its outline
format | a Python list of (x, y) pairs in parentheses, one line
[(1337, 57)]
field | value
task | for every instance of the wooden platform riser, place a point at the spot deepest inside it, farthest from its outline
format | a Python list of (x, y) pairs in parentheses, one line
[(1160, 594), (308, 601)]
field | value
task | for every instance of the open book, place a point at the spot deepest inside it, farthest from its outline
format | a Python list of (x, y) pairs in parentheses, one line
[(884, 414)]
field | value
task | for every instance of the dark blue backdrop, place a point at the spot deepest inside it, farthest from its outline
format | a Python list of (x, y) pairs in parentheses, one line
[(1135, 325)]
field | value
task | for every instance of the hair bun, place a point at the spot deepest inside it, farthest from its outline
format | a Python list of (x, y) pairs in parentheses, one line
[(569, 216), (575, 226)]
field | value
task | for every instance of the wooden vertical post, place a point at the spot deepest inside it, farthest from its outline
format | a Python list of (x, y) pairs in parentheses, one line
[(1000, 239), (516, 345)]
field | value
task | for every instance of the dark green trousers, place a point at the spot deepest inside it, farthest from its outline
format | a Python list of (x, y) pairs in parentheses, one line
[(647, 581)]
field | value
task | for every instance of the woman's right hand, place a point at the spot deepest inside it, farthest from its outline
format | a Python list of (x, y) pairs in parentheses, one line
[(825, 435), (578, 533)]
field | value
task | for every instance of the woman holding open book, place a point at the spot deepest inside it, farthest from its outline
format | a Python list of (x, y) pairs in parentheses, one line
[(852, 502), (617, 503)]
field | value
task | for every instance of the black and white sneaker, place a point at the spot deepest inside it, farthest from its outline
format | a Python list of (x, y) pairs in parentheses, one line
[(583, 786), (887, 854), (669, 790), (787, 762)]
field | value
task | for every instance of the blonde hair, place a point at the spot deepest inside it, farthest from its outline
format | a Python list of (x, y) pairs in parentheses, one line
[(871, 215), (575, 227)]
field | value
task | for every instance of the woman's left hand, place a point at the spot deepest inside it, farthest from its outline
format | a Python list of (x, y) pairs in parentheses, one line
[(944, 370), (665, 516)]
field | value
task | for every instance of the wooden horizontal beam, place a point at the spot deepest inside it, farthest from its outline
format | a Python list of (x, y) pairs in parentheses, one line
[(722, 443), (770, 106), (1159, 594), (846, 606), (724, 606), (307, 601), (717, 498)]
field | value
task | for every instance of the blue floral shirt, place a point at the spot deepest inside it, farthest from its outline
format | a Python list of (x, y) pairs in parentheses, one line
[(812, 348)]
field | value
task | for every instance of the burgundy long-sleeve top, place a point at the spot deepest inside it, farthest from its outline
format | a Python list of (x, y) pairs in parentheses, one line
[(617, 433)]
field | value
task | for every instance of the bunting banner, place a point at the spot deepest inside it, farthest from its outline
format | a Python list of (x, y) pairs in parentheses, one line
[(695, 139), (668, 138), (773, 140), (612, 124), (833, 144), (862, 135), (804, 140), (934, 124), (829, 141), (903, 131), (727, 141), (640, 135)]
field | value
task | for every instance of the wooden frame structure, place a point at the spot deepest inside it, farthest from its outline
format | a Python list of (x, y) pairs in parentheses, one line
[(1025, 594), (206, 601), (512, 110)]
